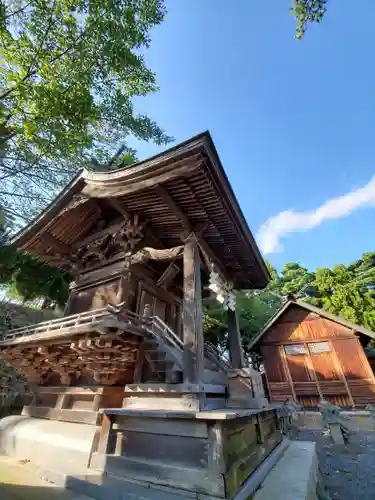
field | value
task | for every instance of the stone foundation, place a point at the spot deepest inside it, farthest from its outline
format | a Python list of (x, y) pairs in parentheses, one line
[(207, 453), (47, 443)]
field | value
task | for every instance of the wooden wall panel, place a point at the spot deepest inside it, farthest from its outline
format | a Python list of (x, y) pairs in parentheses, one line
[(363, 391), (306, 388), (294, 314), (104, 294), (352, 358), (338, 371), (94, 297), (324, 366), (299, 369), (298, 325), (273, 364), (279, 392)]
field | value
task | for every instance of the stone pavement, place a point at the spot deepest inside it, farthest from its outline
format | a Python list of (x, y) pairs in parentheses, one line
[(20, 482), (348, 471)]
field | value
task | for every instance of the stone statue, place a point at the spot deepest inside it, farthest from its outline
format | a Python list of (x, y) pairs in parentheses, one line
[(333, 421), (287, 413)]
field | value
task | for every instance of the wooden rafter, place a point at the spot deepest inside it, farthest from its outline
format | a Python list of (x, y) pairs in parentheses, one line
[(116, 205), (210, 223), (56, 244), (172, 205), (111, 229), (169, 202)]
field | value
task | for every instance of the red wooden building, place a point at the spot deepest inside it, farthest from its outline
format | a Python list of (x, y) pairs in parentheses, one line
[(309, 354)]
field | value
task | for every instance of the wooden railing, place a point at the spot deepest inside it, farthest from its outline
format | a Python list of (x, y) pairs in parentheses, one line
[(167, 333), (214, 355), (159, 330), (164, 335), (86, 318), (57, 324)]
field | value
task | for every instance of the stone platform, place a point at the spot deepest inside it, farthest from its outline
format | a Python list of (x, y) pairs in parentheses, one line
[(208, 452), (47, 443), (145, 454)]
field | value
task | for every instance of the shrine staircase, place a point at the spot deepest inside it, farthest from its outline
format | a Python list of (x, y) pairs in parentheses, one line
[(164, 351)]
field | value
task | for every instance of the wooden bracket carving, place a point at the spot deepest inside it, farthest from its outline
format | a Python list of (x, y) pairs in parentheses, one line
[(131, 234)]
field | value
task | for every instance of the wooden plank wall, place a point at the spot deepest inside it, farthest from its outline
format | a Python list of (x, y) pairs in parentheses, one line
[(342, 375)]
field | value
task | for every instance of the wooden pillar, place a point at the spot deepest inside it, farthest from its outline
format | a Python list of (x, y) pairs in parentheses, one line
[(192, 314), (287, 373), (97, 402), (126, 288), (234, 340), (69, 303), (105, 434)]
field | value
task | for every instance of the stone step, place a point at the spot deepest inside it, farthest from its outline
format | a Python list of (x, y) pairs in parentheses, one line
[(157, 355), (294, 477)]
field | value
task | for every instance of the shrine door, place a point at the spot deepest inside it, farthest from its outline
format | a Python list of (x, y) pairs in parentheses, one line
[(169, 312)]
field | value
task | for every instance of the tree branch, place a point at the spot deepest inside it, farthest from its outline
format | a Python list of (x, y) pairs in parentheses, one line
[(18, 11)]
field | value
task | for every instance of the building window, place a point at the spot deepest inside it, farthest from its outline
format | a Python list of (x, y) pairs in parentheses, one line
[(317, 347), (294, 349)]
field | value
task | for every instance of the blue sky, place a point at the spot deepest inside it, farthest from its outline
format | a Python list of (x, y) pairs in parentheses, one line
[(293, 121)]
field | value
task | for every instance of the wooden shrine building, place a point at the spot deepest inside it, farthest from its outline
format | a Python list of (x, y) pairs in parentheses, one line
[(309, 354), (127, 365)]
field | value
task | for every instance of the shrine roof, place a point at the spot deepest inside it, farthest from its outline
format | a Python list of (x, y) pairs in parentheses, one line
[(358, 329), (183, 189)]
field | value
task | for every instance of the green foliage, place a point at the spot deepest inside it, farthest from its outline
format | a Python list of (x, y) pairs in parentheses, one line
[(348, 291), (292, 280), (27, 277), (15, 390), (254, 309), (306, 12), (69, 72)]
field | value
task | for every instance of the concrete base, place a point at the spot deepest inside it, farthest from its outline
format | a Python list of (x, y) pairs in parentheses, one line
[(294, 477), (47, 443)]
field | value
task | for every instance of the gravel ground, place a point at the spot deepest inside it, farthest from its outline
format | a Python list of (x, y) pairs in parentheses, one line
[(348, 471)]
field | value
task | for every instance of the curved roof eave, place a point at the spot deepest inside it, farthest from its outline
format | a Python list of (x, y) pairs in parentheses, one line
[(49, 212), (128, 174)]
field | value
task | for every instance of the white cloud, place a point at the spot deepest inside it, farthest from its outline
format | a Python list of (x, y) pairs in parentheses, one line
[(271, 232)]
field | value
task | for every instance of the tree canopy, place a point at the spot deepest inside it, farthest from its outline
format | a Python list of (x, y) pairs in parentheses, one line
[(27, 278), (69, 71), (346, 291), (306, 12)]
